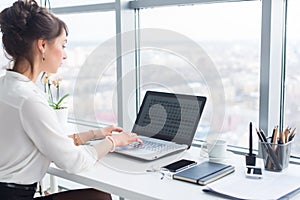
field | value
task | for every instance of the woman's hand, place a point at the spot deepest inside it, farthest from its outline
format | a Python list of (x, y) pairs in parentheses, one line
[(123, 139), (106, 131)]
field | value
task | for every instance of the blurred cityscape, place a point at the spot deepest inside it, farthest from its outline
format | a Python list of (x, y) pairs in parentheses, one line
[(236, 61)]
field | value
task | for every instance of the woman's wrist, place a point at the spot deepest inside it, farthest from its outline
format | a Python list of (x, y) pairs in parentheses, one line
[(92, 134), (83, 137), (111, 139), (104, 147), (76, 139)]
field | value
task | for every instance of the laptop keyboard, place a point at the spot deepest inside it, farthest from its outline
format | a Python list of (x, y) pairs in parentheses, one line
[(154, 146)]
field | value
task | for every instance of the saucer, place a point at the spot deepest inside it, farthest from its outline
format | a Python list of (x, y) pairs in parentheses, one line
[(220, 159)]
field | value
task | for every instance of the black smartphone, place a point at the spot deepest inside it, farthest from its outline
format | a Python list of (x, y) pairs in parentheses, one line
[(179, 165)]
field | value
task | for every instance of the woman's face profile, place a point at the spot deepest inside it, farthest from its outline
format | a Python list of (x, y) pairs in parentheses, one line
[(55, 53)]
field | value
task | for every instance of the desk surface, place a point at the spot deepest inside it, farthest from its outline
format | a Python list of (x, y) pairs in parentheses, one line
[(134, 185), (128, 178), (149, 185)]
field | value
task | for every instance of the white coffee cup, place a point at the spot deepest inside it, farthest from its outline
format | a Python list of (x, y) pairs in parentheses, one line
[(217, 149)]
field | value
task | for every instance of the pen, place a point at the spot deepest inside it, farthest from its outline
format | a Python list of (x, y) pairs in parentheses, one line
[(291, 136), (263, 135), (250, 139), (281, 138), (274, 134), (286, 134), (269, 150), (259, 136), (274, 137)]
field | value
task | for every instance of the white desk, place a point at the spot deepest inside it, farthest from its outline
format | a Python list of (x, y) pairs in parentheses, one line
[(148, 185), (132, 185)]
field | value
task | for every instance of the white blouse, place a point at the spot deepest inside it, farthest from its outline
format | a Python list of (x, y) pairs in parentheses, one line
[(30, 135)]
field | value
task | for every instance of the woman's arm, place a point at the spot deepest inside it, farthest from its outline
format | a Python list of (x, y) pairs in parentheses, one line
[(83, 137), (110, 142)]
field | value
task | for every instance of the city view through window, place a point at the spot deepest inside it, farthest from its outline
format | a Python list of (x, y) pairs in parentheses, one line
[(229, 33), (292, 92)]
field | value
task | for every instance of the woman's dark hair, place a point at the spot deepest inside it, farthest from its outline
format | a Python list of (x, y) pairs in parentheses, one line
[(22, 24)]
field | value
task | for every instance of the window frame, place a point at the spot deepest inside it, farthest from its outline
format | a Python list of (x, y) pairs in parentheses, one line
[(272, 63), (272, 54)]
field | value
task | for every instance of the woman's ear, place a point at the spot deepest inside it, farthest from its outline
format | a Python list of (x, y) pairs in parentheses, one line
[(41, 43)]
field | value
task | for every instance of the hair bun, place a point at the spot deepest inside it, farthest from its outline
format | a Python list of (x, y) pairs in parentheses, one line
[(23, 23), (15, 19)]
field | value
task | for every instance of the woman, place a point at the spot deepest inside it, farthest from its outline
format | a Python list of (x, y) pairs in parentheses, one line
[(30, 138)]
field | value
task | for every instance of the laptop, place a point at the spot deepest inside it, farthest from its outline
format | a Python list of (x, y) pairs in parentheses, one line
[(166, 123)]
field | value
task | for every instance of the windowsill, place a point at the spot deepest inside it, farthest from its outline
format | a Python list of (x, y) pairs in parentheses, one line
[(197, 143), (243, 151)]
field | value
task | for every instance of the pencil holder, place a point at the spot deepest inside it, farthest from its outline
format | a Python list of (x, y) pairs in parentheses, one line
[(276, 156)]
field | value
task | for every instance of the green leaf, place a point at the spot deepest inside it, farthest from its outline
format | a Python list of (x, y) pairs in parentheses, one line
[(65, 96), (57, 105)]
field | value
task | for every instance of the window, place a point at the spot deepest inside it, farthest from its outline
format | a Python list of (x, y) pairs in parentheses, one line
[(292, 91), (91, 85), (229, 33), (3, 61), (5, 4), (59, 3), (87, 32)]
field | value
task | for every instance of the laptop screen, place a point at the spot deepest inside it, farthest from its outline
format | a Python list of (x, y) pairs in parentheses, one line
[(168, 116)]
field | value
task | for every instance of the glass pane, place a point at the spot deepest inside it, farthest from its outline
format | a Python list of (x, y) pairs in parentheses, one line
[(229, 34), (5, 4), (58, 3), (4, 61), (85, 37), (90, 84), (66, 3), (292, 92)]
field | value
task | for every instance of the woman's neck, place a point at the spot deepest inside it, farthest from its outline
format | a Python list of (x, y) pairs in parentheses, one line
[(24, 67)]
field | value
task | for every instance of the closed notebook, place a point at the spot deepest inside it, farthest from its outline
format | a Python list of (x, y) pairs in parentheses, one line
[(204, 173)]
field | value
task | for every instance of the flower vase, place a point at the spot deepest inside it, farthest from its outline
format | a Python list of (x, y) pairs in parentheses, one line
[(62, 115)]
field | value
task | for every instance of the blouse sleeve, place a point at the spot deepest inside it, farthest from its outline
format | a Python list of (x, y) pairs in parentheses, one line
[(41, 125)]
